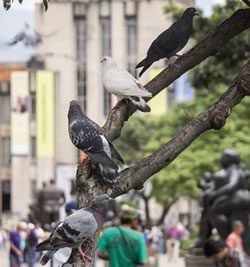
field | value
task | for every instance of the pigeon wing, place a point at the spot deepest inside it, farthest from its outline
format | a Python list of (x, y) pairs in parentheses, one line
[(166, 44), (120, 82), (81, 133), (75, 229)]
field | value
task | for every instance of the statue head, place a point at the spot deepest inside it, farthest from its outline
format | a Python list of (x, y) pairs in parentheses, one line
[(229, 157)]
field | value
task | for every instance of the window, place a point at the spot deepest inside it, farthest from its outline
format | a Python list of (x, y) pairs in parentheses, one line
[(32, 106), (80, 24), (33, 185), (105, 25), (6, 195), (131, 28), (33, 148), (4, 108), (5, 156)]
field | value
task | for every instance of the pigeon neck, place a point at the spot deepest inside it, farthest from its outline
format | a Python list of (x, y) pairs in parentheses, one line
[(99, 215), (187, 25)]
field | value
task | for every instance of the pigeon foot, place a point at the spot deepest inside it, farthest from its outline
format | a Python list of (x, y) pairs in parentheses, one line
[(85, 257)]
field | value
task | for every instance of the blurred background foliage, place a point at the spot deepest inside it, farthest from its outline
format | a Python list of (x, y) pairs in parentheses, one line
[(210, 79)]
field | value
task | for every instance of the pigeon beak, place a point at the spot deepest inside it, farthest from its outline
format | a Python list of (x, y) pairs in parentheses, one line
[(102, 60)]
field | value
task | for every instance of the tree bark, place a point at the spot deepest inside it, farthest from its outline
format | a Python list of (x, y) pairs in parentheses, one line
[(89, 186)]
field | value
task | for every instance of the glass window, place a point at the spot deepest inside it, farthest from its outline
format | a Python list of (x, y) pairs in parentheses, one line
[(4, 108), (6, 195), (105, 24), (131, 27), (33, 106), (5, 156), (80, 23), (33, 148)]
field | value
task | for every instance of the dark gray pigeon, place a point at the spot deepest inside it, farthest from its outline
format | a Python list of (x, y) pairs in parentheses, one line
[(171, 41), (76, 229), (27, 36), (86, 135)]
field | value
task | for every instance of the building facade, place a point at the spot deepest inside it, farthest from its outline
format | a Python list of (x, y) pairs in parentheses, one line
[(81, 33)]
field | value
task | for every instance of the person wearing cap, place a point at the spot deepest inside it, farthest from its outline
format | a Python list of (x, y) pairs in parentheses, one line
[(223, 255), (122, 246)]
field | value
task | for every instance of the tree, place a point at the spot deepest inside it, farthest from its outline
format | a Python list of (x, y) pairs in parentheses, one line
[(146, 134), (213, 118)]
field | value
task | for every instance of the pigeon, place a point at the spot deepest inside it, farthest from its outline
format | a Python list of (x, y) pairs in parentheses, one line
[(122, 84), (27, 36), (76, 229), (88, 136), (171, 41)]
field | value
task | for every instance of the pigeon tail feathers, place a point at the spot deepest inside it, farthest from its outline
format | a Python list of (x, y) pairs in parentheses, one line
[(140, 104), (47, 256), (109, 175), (103, 159), (44, 245), (146, 66), (141, 64), (115, 154)]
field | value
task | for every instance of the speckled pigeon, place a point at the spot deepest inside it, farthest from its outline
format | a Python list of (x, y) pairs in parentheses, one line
[(122, 84), (76, 229), (86, 135), (171, 41)]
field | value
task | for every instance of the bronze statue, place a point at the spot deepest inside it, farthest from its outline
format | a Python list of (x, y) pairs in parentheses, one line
[(46, 208), (225, 197)]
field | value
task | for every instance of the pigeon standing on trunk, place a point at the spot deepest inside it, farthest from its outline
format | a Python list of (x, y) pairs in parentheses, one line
[(86, 135), (171, 41), (122, 84), (76, 229)]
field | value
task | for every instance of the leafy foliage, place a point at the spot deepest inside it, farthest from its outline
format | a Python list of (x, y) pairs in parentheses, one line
[(144, 135)]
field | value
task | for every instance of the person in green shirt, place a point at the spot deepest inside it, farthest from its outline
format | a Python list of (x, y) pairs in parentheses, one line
[(122, 246)]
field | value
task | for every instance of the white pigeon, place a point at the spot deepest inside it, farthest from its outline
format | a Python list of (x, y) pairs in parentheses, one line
[(122, 84)]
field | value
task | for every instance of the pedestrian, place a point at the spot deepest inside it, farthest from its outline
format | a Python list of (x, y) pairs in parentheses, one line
[(234, 240), (121, 245), (224, 256), (16, 252), (33, 238), (174, 236)]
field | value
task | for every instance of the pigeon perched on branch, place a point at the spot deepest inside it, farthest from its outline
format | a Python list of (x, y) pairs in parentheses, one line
[(76, 229), (122, 84), (86, 135), (171, 41)]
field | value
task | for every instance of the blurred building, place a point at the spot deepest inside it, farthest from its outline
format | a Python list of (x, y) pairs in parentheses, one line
[(81, 33)]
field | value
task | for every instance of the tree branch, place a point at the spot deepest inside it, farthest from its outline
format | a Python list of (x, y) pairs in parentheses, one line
[(213, 118), (209, 46), (88, 185), (247, 2)]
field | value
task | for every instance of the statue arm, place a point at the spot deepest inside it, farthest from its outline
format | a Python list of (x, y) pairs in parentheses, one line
[(231, 186)]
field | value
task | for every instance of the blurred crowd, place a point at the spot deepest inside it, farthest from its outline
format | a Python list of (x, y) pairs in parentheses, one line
[(127, 241), (147, 242), (21, 243)]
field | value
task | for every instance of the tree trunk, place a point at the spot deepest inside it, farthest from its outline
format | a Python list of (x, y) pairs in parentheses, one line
[(89, 185), (147, 212), (165, 211)]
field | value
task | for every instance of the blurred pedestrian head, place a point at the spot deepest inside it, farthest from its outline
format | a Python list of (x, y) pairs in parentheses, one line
[(129, 217), (238, 227), (215, 249), (70, 207)]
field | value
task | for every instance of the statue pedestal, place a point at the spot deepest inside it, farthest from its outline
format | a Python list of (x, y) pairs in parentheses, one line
[(194, 258)]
